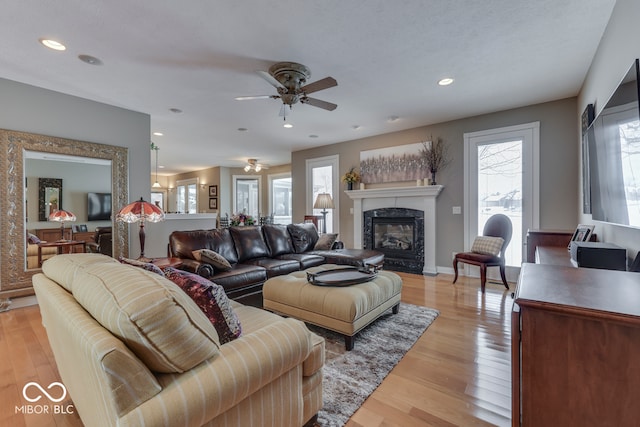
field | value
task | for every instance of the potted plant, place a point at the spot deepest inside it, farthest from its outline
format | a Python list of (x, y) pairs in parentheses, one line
[(351, 178), (436, 156), (241, 219)]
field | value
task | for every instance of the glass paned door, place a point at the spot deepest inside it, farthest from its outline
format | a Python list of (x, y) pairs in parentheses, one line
[(502, 176), (500, 189)]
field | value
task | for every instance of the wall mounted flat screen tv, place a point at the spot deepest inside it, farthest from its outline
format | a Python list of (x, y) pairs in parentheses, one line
[(614, 155), (98, 206)]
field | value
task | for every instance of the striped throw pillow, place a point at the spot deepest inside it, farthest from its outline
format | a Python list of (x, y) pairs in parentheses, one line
[(487, 245)]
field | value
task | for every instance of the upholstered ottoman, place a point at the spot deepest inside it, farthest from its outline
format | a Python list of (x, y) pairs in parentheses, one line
[(343, 309)]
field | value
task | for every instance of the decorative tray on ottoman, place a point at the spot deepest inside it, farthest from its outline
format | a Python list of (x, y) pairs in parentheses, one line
[(346, 276)]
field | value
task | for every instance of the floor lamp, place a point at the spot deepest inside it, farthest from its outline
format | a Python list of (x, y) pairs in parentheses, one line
[(140, 211), (324, 202)]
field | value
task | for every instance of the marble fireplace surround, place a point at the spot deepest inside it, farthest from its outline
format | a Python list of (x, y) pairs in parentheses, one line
[(418, 197)]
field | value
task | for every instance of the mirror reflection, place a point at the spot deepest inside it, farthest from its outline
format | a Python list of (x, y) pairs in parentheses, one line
[(84, 178)]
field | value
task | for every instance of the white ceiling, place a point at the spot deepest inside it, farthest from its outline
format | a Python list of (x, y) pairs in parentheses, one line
[(387, 57)]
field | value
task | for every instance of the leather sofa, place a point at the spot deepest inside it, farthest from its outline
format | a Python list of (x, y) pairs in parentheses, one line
[(257, 253), (133, 349), (101, 241)]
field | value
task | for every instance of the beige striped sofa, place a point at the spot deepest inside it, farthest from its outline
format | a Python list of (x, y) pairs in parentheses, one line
[(132, 349)]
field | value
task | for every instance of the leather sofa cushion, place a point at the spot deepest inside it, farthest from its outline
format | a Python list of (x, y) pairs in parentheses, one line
[(276, 267), (183, 243), (303, 236), (249, 242), (278, 239), (305, 260), (240, 276)]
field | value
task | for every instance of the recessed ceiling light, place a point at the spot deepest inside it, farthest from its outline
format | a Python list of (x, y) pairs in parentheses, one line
[(446, 81), (161, 166), (91, 60), (356, 127), (175, 110), (392, 118), (158, 133), (53, 44), (288, 125), (313, 136), (242, 129)]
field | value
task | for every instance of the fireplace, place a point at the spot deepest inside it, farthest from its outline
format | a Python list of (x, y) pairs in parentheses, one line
[(399, 234), (421, 198)]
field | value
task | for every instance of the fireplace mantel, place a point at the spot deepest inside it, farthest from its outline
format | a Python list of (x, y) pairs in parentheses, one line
[(418, 197)]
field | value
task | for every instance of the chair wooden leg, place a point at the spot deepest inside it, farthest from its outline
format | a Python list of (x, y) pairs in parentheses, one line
[(504, 277), (455, 270), (483, 277)]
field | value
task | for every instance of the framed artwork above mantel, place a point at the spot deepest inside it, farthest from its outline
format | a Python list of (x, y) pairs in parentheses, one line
[(393, 164)]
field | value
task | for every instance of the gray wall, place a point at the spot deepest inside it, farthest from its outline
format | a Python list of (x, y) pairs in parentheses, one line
[(31, 109), (559, 184)]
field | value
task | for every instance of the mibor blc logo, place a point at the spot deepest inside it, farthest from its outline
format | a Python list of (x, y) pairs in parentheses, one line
[(54, 392)]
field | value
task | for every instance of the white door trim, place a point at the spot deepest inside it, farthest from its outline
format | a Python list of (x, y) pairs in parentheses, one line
[(530, 134)]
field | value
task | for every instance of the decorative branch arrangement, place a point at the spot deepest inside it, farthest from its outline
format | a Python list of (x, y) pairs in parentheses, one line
[(436, 156)]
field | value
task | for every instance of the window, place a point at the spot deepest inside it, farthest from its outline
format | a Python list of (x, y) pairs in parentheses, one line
[(280, 198), (322, 177), (246, 195), (187, 196)]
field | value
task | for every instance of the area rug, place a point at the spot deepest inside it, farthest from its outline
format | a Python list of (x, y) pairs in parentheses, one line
[(351, 376)]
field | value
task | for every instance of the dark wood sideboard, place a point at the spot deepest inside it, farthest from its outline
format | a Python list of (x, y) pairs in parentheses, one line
[(537, 238), (575, 347)]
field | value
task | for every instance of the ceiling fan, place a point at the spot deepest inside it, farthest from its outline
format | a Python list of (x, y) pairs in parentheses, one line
[(289, 79), (253, 165)]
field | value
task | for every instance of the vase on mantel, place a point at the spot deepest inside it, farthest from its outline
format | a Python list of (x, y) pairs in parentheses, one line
[(349, 186), (433, 177)]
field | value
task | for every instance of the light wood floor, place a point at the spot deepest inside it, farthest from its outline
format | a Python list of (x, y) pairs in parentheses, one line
[(457, 374)]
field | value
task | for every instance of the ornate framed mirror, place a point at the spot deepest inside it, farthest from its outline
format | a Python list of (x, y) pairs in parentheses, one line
[(49, 196), (15, 279)]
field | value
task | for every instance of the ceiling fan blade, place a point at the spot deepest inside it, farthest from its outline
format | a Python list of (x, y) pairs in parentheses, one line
[(325, 83), (245, 98), (318, 103), (269, 78)]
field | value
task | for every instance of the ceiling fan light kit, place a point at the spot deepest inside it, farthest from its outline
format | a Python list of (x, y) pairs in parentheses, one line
[(253, 165), (289, 79)]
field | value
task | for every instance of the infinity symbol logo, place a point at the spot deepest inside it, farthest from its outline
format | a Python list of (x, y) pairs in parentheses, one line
[(43, 391)]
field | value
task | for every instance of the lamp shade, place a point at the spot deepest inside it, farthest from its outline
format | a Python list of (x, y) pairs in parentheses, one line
[(140, 210), (323, 201), (61, 215)]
